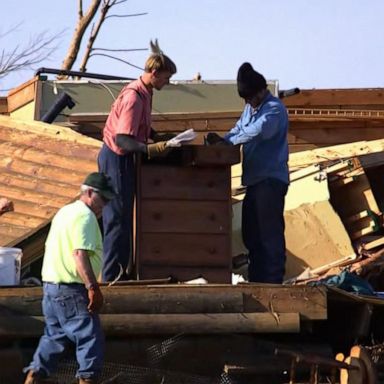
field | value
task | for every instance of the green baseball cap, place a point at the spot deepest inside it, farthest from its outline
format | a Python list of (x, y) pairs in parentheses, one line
[(101, 183)]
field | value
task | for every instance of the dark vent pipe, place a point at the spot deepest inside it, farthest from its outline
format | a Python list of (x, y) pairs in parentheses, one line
[(62, 101), (289, 92)]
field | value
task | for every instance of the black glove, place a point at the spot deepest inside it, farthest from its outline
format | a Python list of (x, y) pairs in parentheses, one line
[(214, 139)]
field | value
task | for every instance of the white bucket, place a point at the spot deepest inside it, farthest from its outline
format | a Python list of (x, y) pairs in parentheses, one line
[(10, 265)]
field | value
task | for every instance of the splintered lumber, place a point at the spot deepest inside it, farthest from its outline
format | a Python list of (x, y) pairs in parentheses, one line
[(374, 243), (129, 324), (336, 152), (369, 263), (310, 302)]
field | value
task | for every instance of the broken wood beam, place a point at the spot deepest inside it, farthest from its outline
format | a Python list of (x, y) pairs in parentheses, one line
[(310, 302), (12, 326), (335, 152), (373, 244)]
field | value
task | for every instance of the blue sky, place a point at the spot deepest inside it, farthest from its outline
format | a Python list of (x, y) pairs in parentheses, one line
[(301, 43)]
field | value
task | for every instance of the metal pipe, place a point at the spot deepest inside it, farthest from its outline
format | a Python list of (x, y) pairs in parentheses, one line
[(79, 74), (62, 101)]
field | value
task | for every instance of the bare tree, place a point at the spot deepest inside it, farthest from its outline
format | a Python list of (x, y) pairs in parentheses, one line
[(84, 20), (37, 50), (82, 24)]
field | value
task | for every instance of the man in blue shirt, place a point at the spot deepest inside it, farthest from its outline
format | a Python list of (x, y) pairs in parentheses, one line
[(262, 130)]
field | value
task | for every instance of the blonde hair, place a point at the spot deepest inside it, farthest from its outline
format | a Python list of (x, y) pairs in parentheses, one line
[(158, 61)]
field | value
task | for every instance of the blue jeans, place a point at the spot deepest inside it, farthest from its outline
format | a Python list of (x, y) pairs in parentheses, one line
[(67, 319), (118, 214), (263, 230)]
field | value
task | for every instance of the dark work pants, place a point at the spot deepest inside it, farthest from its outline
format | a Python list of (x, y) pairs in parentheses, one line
[(263, 230), (118, 214)]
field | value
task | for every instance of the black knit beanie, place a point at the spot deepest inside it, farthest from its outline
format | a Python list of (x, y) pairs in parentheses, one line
[(249, 82)]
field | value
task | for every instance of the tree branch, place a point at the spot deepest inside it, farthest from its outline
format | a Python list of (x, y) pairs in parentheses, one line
[(132, 15), (37, 50), (80, 29), (118, 59), (104, 10), (119, 2), (119, 50), (80, 12)]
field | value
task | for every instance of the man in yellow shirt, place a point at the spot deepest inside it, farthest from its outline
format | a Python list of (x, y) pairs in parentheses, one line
[(72, 297)]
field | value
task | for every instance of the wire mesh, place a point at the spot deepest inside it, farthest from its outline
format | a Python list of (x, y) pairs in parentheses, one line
[(116, 373)]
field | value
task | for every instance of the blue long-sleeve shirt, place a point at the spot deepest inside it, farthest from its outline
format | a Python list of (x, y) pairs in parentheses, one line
[(263, 133)]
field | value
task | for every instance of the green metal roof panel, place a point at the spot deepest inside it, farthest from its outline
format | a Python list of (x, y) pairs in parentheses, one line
[(178, 97)]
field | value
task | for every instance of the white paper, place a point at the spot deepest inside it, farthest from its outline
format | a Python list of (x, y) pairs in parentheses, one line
[(181, 138)]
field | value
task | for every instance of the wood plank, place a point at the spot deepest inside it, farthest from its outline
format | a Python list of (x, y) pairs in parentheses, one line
[(11, 132), (362, 232), (19, 219), (12, 230), (211, 274), (310, 302), (33, 245), (27, 168), (179, 216), (35, 209), (357, 217), (211, 155), (31, 154), (333, 135), (142, 301), (170, 250), (190, 183), (44, 199), (337, 97), (38, 185), (22, 95), (3, 105), (374, 243), (130, 324), (46, 130), (354, 197), (336, 152)]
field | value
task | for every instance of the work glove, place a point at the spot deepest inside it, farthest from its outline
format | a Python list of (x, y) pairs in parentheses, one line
[(156, 149), (214, 139), (96, 299)]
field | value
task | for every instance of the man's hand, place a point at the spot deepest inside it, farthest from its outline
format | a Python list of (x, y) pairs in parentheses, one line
[(5, 205), (214, 139), (96, 299)]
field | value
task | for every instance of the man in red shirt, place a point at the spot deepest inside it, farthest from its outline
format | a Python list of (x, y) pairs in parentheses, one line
[(128, 130)]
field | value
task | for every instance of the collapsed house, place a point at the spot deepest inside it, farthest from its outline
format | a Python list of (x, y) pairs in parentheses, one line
[(333, 219)]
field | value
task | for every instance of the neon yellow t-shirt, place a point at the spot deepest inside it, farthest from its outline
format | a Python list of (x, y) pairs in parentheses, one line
[(74, 227)]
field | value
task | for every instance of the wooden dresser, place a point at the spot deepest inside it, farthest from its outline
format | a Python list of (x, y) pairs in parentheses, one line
[(184, 214)]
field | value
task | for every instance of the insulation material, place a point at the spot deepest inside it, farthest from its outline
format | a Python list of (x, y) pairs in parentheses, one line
[(315, 237)]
